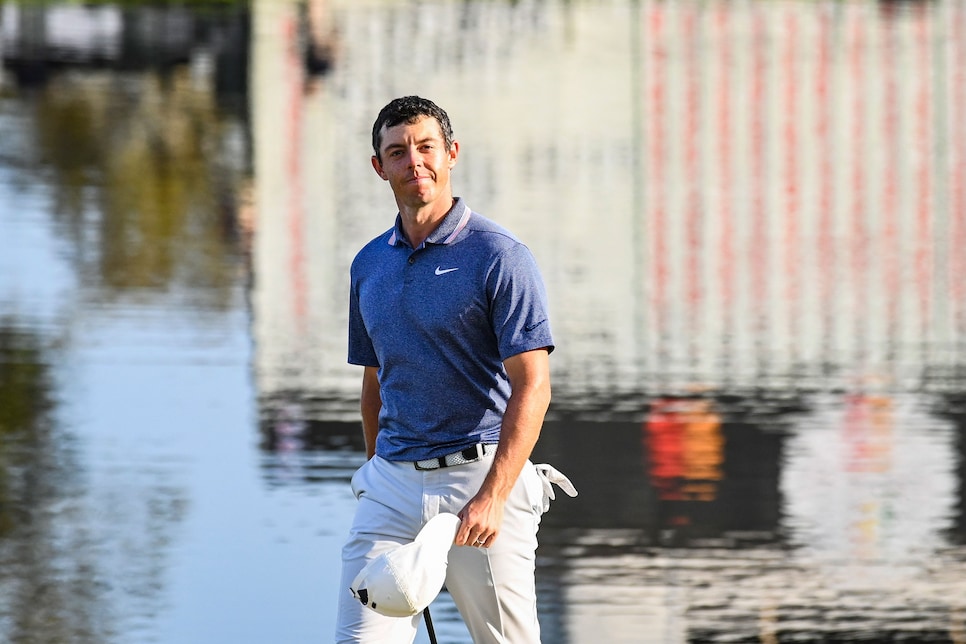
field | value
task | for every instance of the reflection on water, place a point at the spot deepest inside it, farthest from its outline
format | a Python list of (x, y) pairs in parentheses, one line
[(837, 517), (118, 200), (833, 519), (752, 220), (685, 445), (82, 559)]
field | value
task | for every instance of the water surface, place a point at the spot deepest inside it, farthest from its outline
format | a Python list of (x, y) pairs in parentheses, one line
[(751, 218)]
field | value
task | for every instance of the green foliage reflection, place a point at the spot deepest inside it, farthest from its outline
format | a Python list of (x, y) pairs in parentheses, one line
[(140, 162)]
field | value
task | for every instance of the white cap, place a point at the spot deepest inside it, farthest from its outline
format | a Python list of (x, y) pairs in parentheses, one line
[(405, 580)]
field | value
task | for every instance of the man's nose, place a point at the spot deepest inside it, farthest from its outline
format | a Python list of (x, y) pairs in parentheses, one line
[(413, 159)]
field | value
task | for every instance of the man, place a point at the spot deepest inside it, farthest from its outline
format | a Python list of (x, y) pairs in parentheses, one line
[(448, 316)]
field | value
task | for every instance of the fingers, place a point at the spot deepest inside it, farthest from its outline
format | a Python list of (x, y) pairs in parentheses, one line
[(463, 534), (476, 538), (480, 521), (476, 535)]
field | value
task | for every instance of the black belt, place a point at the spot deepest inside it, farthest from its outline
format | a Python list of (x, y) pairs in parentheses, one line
[(468, 455)]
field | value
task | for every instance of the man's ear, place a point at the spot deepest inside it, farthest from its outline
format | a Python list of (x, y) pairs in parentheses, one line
[(377, 166), (454, 152)]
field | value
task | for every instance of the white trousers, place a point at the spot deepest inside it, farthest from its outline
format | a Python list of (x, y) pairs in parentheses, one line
[(493, 588)]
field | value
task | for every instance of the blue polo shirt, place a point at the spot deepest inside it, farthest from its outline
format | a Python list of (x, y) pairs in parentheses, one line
[(439, 321)]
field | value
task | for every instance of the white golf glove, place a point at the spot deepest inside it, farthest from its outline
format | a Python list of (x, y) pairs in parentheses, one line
[(550, 475)]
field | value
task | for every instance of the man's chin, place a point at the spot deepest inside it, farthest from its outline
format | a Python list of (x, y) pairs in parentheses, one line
[(421, 197)]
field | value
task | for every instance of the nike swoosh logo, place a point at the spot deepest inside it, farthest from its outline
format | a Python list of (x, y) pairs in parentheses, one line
[(443, 271), (531, 327)]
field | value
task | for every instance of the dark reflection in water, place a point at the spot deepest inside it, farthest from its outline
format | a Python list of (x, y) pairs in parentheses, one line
[(37, 474), (690, 471), (301, 451), (953, 408)]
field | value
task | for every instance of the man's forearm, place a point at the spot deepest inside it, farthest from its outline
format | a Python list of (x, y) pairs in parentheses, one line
[(521, 429), (522, 422)]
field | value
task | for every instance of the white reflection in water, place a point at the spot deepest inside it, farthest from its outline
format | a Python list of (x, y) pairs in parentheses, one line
[(869, 486)]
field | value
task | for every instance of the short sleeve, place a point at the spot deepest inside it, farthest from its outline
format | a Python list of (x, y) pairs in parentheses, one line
[(519, 307), (361, 351)]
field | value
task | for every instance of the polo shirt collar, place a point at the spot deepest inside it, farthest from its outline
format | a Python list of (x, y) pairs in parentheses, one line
[(445, 233)]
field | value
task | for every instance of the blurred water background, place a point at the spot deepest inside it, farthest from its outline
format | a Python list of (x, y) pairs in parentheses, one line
[(752, 220)]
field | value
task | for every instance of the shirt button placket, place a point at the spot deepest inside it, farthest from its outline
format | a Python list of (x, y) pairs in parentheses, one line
[(408, 275)]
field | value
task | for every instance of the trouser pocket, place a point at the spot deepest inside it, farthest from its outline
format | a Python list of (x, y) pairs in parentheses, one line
[(358, 481)]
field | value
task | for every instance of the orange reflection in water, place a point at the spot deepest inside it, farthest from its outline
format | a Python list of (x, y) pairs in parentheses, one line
[(686, 447)]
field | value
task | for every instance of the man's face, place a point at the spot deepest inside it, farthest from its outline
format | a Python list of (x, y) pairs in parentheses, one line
[(414, 160)]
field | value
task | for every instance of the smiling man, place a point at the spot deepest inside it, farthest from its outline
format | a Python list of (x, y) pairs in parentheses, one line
[(448, 316)]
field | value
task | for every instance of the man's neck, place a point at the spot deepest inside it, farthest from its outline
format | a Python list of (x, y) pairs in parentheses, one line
[(418, 223)]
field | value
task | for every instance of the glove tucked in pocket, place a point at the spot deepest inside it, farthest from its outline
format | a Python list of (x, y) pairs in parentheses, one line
[(549, 475)]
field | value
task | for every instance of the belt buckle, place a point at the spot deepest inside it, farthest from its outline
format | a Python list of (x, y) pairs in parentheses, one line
[(468, 455)]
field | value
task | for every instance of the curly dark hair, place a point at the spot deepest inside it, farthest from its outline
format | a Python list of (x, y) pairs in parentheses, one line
[(409, 109)]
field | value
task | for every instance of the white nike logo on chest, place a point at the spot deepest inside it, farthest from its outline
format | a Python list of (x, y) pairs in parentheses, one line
[(441, 271)]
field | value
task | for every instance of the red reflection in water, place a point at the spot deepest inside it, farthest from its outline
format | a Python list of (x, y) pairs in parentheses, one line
[(658, 162), (859, 181), (294, 82), (722, 100)]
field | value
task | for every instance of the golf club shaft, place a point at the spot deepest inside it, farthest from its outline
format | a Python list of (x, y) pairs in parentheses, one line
[(429, 625)]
